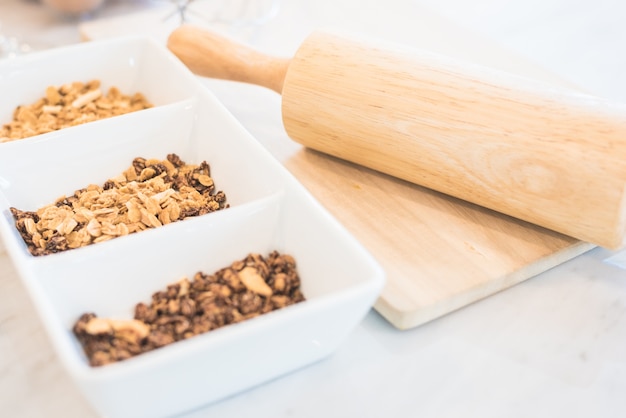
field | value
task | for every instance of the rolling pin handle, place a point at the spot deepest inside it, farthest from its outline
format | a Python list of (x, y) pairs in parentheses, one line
[(208, 54)]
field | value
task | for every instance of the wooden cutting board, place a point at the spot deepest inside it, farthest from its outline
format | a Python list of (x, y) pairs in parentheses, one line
[(440, 254)]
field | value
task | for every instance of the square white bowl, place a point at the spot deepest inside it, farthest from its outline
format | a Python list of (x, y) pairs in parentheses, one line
[(269, 210)]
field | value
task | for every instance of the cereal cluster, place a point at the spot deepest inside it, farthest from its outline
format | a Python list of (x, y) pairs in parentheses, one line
[(69, 105), (149, 194), (247, 288)]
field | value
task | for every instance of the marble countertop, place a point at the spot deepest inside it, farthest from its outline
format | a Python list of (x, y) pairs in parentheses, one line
[(552, 346)]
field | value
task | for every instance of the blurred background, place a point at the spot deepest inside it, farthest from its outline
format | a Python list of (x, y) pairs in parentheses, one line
[(573, 38)]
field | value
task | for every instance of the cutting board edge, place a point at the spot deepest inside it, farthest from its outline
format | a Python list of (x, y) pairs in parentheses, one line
[(403, 319)]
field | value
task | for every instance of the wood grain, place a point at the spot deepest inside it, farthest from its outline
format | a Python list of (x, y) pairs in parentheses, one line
[(440, 253), (209, 55), (549, 156)]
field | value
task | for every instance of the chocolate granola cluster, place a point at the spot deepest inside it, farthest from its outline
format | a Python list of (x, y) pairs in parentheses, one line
[(247, 288)]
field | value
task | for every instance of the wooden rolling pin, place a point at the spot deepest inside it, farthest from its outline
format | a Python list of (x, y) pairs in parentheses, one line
[(551, 157)]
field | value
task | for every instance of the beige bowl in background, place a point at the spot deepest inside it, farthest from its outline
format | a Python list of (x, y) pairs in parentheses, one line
[(73, 6)]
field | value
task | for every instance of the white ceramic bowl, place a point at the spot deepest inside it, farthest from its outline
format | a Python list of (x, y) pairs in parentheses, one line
[(269, 210)]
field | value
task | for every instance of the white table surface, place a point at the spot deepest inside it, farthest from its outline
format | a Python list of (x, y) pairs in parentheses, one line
[(552, 346)]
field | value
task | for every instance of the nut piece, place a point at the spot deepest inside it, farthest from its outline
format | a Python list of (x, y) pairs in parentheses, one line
[(131, 330), (97, 326), (88, 97), (251, 278)]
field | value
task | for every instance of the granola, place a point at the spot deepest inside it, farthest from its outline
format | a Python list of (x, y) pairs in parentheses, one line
[(69, 105), (191, 307), (149, 194)]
